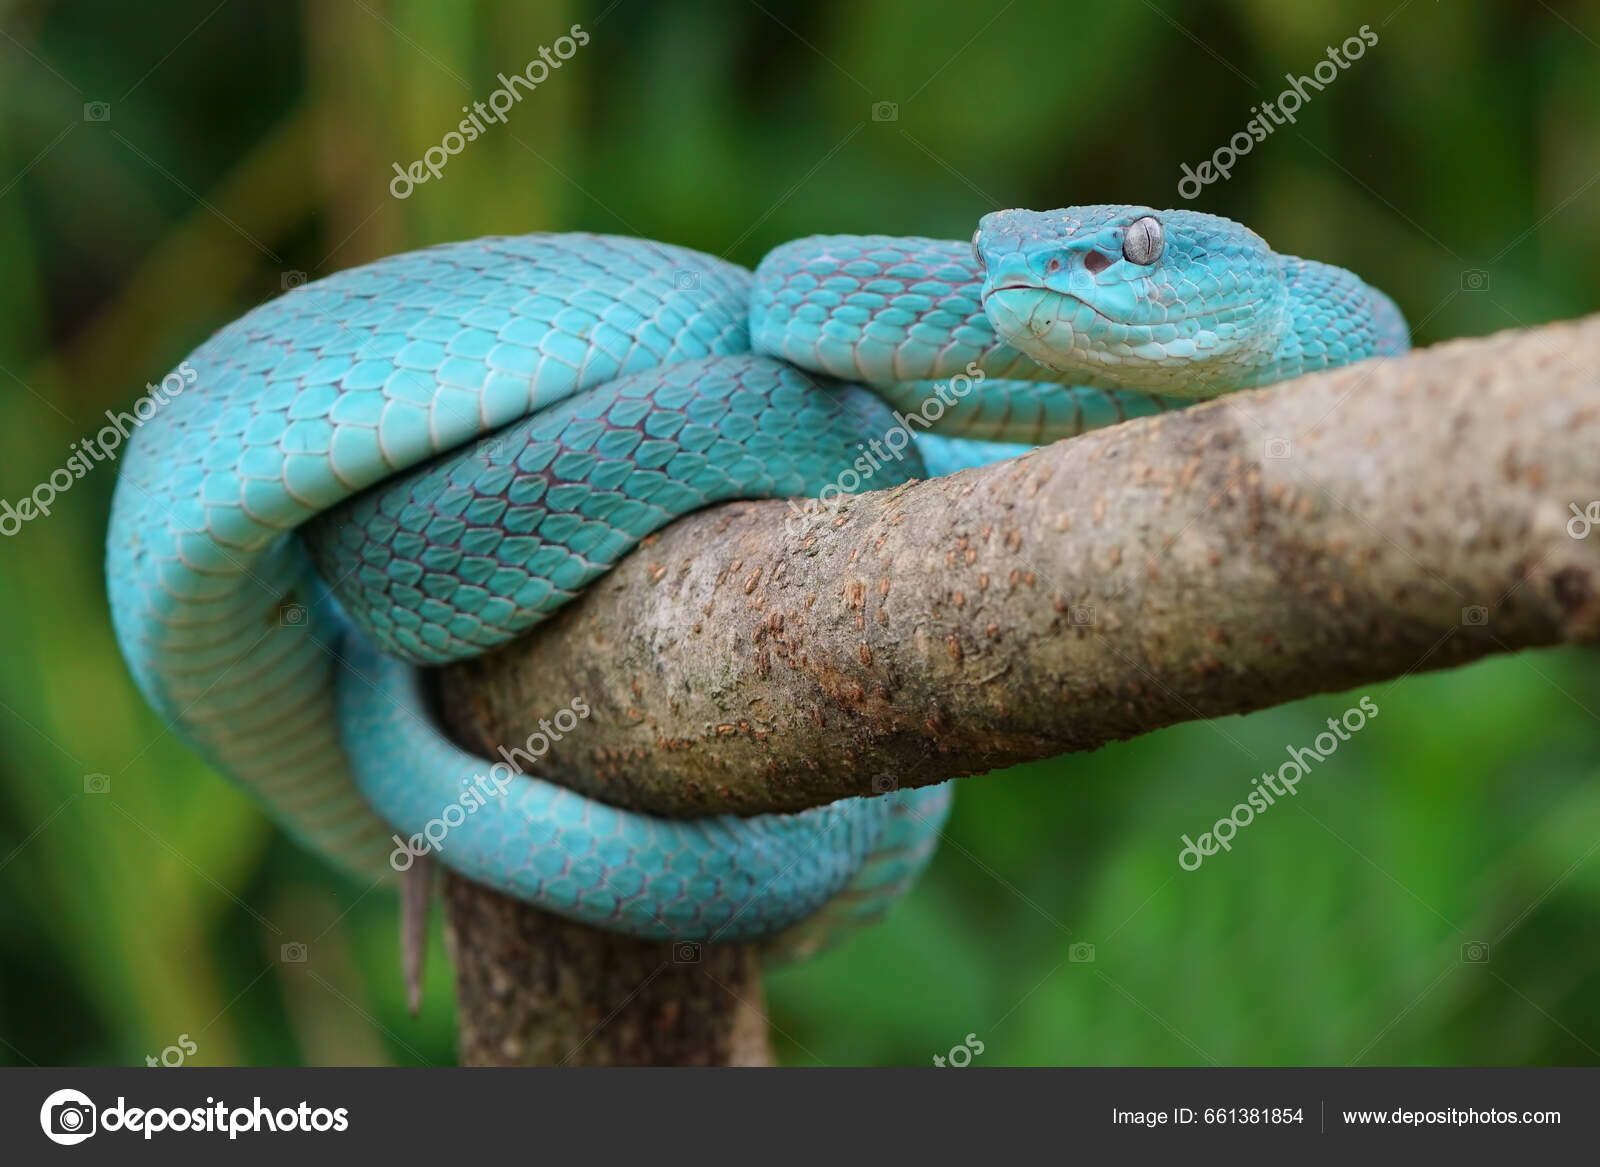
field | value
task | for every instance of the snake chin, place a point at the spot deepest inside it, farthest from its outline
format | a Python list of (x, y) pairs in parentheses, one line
[(1084, 344), (1056, 329)]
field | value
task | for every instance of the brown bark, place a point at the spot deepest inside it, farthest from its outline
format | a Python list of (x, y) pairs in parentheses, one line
[(1336, 530), (537, 990), (1164, 570)]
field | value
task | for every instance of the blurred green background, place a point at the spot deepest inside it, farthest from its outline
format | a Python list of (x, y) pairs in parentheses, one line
[(247, 142)]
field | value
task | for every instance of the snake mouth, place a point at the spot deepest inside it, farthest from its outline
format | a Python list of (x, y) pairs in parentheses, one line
[(1084, 303), (1174, 314), (1077, 300)]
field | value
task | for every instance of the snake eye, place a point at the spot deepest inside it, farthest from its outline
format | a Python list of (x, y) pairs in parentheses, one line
[(1144, 241), (975, 253)]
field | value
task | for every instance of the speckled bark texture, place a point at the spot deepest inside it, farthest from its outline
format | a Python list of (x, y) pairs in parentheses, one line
[(537, 990), (1335, 530)]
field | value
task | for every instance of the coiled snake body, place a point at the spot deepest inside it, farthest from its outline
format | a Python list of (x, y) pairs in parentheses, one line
[(321, 513)]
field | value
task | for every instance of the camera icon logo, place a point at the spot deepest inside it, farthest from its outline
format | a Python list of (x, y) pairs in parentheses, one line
[(1475, 615), (685, 280), (685, 952), (1081, 953), (794, 523), (491, 448), (1081, 615), (68, 1117), (97, 783), (1475, 952), (1474, 280), (885, 111), (97, 111), (290, 280), (884, 784), (292, 953), (292, 615), (1277, 448)]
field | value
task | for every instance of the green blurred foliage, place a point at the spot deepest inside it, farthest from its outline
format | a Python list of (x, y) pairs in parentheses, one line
[(249, 141)]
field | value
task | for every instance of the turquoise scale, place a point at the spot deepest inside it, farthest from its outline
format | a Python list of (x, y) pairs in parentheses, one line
[(414, 461)]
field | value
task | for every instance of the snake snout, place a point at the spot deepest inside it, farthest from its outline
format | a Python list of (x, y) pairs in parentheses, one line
[(1011, 271)]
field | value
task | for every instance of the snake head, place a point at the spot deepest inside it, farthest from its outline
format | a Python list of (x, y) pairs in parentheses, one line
[(1172, 302)]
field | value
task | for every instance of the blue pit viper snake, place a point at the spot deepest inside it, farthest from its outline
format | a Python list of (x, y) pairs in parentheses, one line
[(417, 460)]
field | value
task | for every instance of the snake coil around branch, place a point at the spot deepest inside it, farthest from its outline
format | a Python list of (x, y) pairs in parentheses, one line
[(418, 461)]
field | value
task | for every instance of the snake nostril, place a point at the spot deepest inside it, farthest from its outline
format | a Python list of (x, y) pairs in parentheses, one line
[(1052, 267), (1095, 262)]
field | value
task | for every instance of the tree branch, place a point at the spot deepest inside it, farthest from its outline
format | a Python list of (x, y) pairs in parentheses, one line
[(1335, 530), (1167, 569), (536, 990)]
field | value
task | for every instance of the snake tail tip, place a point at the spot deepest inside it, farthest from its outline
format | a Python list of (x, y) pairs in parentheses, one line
[(415, 894)]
